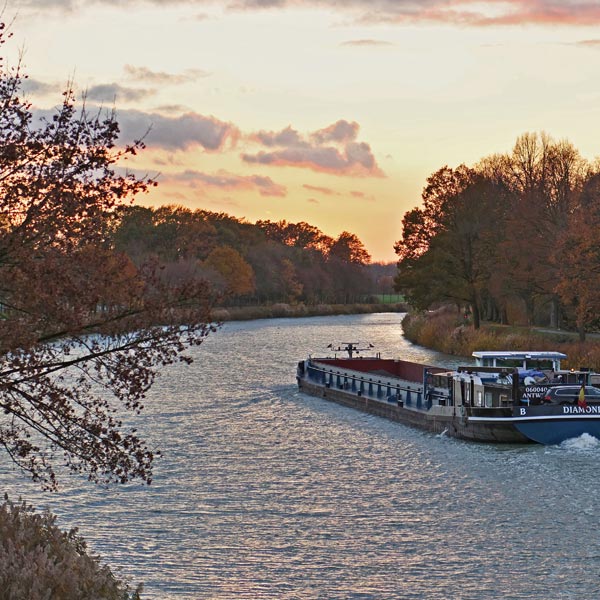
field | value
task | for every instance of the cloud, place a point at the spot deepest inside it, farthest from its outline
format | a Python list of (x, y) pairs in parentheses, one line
[(65, 5), (286, 137), (175, 109), (476, 13), (331, 150), (146, 75), (39, 88), (482, 13), (177, 133), (328, 160), (321, 190), (588, 43), (167, 133), (109, 92), (341, 131), (361, 43), (362, 196), (228, 181)]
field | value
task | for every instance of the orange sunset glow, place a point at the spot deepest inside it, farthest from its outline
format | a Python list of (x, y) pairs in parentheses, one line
[(319, 111)]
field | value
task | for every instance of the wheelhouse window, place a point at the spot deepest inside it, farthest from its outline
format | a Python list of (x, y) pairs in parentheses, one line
[(489, 399)]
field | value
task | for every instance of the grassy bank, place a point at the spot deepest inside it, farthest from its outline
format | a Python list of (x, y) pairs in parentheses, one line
[(445, 331), (243, 313), (38, 561)]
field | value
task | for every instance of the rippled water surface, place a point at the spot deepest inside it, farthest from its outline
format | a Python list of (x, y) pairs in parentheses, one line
[(264, 492)]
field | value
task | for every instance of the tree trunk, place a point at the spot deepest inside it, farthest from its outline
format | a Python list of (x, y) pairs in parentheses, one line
[(529, 307), (554, 313), (476, 315)]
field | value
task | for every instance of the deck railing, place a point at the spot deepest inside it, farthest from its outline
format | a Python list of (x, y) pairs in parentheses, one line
[(379, 388)]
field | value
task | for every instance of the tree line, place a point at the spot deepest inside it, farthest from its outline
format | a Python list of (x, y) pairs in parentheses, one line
[(252, 263), (513, 238), (98, 295)]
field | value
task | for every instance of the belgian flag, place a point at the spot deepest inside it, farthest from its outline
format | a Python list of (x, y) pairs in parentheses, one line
[(581, 401)]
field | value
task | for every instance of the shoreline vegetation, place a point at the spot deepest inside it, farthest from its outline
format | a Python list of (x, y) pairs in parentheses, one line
[(447, 330), (40, 561), (514, 238), (284, 310)]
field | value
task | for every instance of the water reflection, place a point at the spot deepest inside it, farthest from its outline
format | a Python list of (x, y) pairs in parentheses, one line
[(266, 493)]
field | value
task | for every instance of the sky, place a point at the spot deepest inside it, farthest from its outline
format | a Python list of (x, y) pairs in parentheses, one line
[(334, 113)]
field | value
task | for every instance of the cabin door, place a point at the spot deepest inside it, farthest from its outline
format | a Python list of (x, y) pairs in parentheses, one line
[(463, 392)]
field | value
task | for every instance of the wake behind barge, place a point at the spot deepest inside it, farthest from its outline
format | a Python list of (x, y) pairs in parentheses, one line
[(503, 398)]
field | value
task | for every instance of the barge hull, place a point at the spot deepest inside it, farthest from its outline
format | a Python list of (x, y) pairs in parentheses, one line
[(454, 425)]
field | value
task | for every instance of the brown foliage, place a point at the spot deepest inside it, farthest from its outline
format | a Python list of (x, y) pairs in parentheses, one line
[(492, 237), (348, 248), (236, 273), (83, 330), (39, 561), (445, 331)]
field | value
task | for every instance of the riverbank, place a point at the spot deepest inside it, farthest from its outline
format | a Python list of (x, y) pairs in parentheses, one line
[(279, 310), (446, 331)]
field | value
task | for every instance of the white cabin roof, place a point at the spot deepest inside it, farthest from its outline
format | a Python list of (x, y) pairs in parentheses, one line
[(519, 354), (521, 359)]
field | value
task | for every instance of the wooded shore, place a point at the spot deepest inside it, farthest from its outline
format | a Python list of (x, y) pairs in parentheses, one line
[(284, 310), (444, 330)]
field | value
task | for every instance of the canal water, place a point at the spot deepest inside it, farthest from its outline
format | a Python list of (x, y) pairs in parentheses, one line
[(264, 492)]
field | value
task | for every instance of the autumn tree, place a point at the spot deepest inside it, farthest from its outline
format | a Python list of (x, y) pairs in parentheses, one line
[(545, 178), (84, 330), (348, 248), (489, 235), (299, 235), (238, 234), (316, 276), (134, 232), (292, 287), (277, 278), (421, 225), (171, 233), (237, 276), (183, 234), (446, 252), (579, 273)]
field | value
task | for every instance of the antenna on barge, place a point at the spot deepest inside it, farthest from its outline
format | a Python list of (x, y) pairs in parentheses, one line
[(349, 347)]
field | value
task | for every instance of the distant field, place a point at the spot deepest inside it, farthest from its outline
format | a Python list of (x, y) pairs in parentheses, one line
[(389, 298)]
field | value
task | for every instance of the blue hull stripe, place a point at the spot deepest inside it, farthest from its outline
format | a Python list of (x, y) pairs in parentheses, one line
[(559, 432), (563, 418)]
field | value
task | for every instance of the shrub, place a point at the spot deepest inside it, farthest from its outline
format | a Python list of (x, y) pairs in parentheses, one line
[(38, 561), (441, 330)]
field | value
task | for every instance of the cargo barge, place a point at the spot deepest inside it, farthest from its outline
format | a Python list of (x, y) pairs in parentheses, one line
[(504, 398)]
